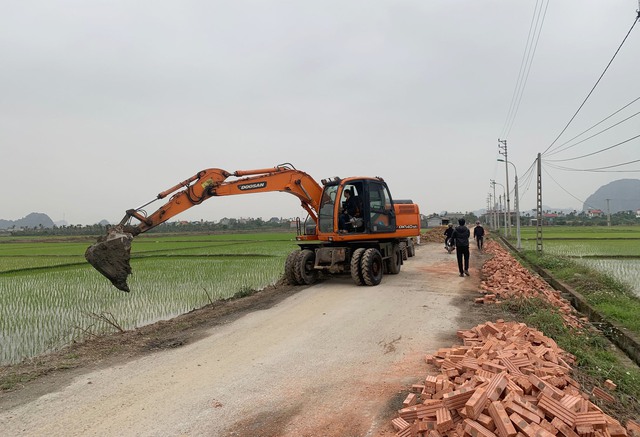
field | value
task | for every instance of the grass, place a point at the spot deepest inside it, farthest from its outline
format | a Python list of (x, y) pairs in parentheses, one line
[(50, 296), (612, 298)]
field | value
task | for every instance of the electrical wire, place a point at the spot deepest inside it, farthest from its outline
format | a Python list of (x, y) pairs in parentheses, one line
[(559, 149), (594, 86), (525, 66), (600, 169), (564, 189), (593, 153)]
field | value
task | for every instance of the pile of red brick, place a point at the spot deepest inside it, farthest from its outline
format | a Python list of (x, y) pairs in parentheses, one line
[(506, 380), (504, 277)]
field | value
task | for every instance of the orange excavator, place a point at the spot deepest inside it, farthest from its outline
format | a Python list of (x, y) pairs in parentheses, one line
[(366, 236)]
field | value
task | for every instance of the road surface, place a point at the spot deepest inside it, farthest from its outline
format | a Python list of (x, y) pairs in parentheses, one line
[(333, 359)]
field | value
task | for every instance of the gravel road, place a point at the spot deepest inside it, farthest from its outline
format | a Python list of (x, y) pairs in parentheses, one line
[(333, 360)]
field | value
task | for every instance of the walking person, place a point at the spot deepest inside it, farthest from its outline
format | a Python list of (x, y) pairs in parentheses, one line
[(460, 238), (478, 234)]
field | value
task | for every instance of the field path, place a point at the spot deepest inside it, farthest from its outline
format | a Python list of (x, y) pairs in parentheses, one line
[(333, 359)]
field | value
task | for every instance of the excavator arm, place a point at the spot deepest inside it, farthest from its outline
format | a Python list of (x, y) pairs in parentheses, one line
[(111, 254), (213, 182)]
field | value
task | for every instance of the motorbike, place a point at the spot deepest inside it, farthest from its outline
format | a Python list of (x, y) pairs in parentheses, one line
[(448, 245)]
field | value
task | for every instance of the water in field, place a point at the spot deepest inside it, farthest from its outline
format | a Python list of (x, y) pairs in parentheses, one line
[(47, 301), (619, 258), (626, 271)]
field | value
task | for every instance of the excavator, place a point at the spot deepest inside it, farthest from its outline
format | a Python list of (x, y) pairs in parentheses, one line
[(375, 238)]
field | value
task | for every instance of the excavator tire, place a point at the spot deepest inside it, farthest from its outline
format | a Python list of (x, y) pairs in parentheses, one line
[(304, 271), (290, 268), (411, 249), (372, 266), (403, 251), (356, 269), (395, 262)]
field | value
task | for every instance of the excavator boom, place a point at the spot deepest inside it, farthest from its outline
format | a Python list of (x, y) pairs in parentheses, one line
[(110, 255)]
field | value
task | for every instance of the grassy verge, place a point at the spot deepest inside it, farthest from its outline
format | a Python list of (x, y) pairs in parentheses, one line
[(610, 297), (596, 359)]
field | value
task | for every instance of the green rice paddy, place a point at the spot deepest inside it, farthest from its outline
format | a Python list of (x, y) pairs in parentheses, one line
[(611, 250), (50, 296)]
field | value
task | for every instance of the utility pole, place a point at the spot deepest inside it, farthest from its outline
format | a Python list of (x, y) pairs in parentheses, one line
[(502, 146), (539, 207), (608, 213), (496, 224), (487, 216), (519, 244), (500, 210)]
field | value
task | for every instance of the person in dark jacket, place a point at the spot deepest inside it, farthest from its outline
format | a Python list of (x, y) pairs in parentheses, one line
[(460, 238), (478, 234), (447, 238), (351, 209)]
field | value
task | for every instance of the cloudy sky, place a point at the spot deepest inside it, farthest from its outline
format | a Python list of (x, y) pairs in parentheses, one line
[(103, 104)]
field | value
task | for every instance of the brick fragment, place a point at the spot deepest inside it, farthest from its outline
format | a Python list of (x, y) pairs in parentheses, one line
[(474, 429), (504, 426), (633, 428), (601, 394)]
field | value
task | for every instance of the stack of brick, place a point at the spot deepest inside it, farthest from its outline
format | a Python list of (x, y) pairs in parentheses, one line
[(506, 380), (504, 277)]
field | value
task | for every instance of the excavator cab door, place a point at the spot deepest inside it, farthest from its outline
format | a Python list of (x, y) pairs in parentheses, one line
[(381, 214)]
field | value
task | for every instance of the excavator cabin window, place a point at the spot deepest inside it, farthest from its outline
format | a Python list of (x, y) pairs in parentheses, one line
[(351, 218), (382, 217), (326, 213)]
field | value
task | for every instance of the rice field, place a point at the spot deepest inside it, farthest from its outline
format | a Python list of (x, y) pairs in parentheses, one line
[(50, 296), (611, 250)]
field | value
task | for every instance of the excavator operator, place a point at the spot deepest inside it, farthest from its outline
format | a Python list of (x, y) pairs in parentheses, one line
[(350, 210)]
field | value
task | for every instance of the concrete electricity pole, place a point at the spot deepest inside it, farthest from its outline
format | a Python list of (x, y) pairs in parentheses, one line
[(502, 146)]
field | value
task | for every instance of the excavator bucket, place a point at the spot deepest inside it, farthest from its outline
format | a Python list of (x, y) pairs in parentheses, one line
[(110, 256)]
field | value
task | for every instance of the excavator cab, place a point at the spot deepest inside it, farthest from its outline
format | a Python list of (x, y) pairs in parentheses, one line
[(372, 211)]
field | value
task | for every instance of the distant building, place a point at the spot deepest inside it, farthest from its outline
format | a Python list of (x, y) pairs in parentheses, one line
[(594, 213)]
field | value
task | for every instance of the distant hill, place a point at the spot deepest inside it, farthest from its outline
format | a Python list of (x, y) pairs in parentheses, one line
[(33, 220), (623, 195)]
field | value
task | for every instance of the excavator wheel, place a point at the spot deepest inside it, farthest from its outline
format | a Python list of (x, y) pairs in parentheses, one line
[(395, 262), (372, 266), (304, 269), (411, 249), (356, 269), (290, 267), (403, 251)]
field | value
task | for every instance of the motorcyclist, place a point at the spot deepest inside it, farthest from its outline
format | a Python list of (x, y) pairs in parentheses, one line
[(448, 244)]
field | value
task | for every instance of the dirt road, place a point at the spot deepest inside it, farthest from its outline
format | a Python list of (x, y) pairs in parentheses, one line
[(333, 360)]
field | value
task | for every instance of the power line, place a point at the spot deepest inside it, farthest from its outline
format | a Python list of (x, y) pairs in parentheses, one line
[(596, 152), (558, 149), (594, 86), (525, 66), (600, 169), (564, 189)]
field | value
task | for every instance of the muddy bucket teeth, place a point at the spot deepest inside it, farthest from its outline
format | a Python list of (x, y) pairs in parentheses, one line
[(110, 256)]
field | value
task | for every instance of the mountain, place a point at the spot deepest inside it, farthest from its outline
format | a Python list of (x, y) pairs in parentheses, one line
[(623, 195), (33, 220)]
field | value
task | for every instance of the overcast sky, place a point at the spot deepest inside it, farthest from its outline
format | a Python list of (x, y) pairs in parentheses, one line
[(103, 104)]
